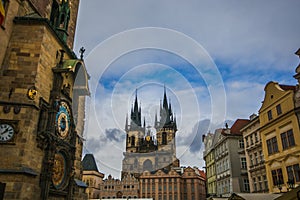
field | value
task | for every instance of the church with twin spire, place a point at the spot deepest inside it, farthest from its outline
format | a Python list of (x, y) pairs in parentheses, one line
[(150, 168), (145, 150)]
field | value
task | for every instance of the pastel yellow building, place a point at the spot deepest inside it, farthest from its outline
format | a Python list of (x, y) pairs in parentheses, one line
[(279, 131), (209, 158)]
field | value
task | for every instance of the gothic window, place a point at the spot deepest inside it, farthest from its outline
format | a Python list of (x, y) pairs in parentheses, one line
[(132, 140), (164, 138), (54, 13), (147, 165), (59, 18)]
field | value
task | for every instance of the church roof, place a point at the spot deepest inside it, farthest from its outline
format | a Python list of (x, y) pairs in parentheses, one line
[(89, 163)]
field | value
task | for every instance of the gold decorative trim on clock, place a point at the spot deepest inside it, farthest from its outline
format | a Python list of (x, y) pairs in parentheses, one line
[(59, 171)]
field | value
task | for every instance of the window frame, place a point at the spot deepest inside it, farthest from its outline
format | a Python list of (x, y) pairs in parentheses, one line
[(270, 116), (277, 176), (278, 109), (272, 145), (287, 139)]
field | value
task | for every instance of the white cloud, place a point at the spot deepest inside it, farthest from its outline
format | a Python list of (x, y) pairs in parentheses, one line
[(252, 42)]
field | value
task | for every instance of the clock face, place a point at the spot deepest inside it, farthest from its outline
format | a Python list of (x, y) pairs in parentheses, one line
[(6, 132), (148, 138), (59, 170), (63, 120)]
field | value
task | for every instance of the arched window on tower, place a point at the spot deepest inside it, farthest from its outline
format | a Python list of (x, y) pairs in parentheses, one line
[(54, 14), (59, 18), (147, 165), (132, 141), (164, 138)]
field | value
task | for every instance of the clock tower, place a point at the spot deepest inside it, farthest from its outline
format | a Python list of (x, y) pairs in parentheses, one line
[(43, 88)]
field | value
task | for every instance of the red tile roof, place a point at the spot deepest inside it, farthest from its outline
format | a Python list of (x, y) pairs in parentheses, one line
[(238, 125), (288, 87), (202, 173)]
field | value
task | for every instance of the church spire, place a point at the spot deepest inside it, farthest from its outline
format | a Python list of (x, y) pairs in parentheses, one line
[(136, 113), (164, 112), (126, 123), (136, 102), (165, 101)]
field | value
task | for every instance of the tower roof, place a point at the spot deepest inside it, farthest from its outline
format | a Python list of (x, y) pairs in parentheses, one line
[(89, 163)]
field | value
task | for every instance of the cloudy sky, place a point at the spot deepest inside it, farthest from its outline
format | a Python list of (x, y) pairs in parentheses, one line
[(213, 57)]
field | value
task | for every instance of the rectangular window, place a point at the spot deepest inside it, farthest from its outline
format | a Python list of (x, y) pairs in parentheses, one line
[(287, 139), (270, 115), (259, 183), (272, 145), (241, 143), (243, 163), (278, 109), (266, 182), (251, 159), (256, 158), (261, 156), (256, 137), (254, 185), (246, 185), (277, 177), (293, 173)]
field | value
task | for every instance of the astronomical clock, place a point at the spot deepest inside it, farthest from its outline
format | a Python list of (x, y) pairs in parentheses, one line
[(43, 87)]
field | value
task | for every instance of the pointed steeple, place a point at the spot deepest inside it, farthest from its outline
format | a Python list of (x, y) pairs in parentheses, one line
[(136, 102), (165, 101), (164, 112), (126, 123), (136, 113), (155, 121), (175, 123), (170, 111)]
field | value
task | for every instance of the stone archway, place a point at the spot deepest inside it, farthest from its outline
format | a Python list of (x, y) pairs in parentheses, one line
[(119, 194)]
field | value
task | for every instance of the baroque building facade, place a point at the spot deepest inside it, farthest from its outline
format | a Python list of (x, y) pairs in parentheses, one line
[(229, 173), (254, 155), (279, 129), (43, 88), (210, 167)]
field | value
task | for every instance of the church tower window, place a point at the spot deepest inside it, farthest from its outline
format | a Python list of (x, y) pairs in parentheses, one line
[(164, 138), (59, 18), (132, 140)]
